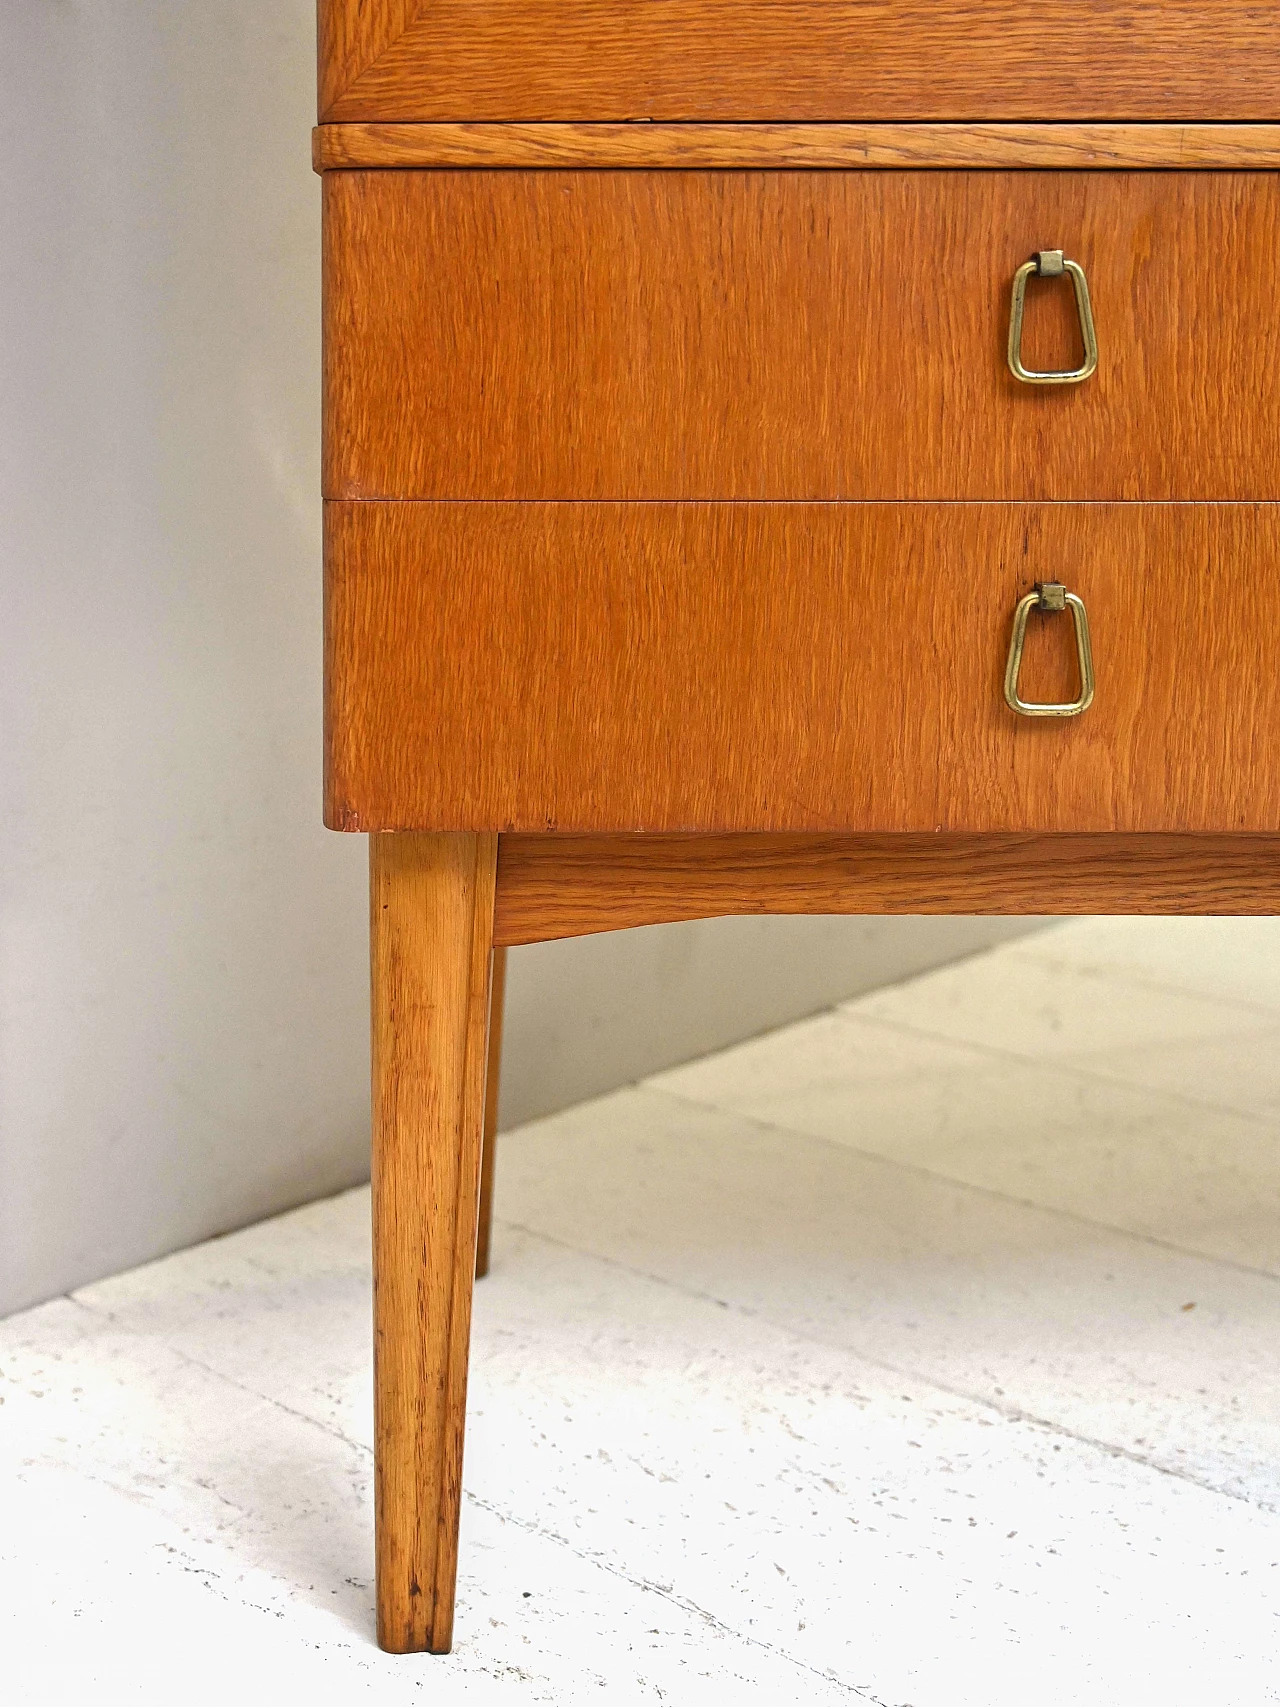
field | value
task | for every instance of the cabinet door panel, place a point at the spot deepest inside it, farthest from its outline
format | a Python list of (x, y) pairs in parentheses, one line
[(798, 59)]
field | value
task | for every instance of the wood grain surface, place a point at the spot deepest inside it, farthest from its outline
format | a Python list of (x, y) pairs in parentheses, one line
[(560, 886), (799, 59), (672, 666), (431, 922), (796, 335), (492, 1084), (351, 35), (1180, 147)]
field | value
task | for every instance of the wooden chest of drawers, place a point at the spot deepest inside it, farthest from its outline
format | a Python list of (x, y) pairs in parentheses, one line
[(686, 483)]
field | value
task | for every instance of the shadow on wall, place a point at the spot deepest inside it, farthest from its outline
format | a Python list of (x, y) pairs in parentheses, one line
[(183, 1027), (629, 1003), (182, 1022)]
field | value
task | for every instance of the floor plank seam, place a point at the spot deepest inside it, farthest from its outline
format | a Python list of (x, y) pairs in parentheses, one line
[(1007, 1413), (1189, 992), (989, 1191), (1268, 1123), (190, 1362), (649, 1587)]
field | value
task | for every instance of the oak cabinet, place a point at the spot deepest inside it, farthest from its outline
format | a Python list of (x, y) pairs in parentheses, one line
[(777, 456)]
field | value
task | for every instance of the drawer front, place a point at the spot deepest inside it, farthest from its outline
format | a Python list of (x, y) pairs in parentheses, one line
[(798, 59), (713, 666), (797, 335)]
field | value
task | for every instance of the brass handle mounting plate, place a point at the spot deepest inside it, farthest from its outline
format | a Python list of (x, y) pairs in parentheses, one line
[(1052, 264), (1049, 596)]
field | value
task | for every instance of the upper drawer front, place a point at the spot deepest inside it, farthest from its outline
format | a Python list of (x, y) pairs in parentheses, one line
[(799, 59), (703, 334)]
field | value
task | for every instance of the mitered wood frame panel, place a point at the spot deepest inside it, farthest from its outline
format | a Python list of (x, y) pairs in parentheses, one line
[(1088, 147), (671, 666), (779, 60), (351, 36), (703, 334), (560, 886)]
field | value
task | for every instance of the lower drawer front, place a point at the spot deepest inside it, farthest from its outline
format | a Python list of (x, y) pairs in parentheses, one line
[(729, 666)]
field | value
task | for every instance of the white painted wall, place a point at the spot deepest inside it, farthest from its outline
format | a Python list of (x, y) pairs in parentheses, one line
[(182, 997)]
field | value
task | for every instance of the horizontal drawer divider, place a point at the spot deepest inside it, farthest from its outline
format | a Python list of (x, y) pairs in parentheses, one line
[(1088, 147), (850, 503)]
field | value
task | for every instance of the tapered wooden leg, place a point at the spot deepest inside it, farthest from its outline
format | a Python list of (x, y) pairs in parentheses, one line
[(497, 992), (431, 916)]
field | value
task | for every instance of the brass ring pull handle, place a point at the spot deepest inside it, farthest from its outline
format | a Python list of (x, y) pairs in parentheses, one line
[(1049, 596), (1052, 264)]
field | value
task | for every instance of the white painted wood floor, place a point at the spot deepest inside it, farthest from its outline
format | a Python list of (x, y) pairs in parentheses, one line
[(923, 1352)]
